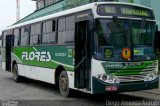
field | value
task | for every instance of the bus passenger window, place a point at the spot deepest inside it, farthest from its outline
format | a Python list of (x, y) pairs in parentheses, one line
[(35, 39), (32, 34), (53, 25), (10, 32), (4, 39), (62, 24), (38, 33), (49, 32), (17, 37), (66, 30), (70, 23), (66, 37), (25, 35)]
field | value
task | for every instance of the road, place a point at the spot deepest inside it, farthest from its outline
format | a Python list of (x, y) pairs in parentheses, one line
[(31, 92)]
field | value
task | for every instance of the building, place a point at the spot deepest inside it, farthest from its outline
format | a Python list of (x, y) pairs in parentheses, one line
[(149, 3), (43, 3)]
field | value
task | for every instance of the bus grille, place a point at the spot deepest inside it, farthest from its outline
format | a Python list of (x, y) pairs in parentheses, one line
[(136, 77)]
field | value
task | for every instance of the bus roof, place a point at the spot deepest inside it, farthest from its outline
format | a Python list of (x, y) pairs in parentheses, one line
[(41, 17)]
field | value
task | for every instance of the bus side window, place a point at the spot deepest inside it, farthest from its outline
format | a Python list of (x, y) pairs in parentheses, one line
[(17, 37), (4, 39), (22, 37), (49, 32), (37, 35), (10, 32), (61, 30), (66, 30), (25, 35), (70, 23), (61, 24), (32, 34), (70, 30)]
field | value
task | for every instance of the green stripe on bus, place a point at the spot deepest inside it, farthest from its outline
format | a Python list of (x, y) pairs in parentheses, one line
[(59, 56)]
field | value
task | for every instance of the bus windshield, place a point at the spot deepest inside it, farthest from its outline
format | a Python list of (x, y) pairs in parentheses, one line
[(113, 36)]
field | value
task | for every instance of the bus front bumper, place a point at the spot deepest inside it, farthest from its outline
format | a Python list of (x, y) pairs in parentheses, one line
[(99, 87)]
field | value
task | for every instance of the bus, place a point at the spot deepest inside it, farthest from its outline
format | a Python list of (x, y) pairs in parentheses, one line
[(97, 48)]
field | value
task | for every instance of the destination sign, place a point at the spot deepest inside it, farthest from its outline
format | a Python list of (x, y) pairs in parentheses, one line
[(131, 11), (125, 11)]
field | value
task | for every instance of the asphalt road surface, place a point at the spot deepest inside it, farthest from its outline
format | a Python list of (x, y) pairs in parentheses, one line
[(31, 92)]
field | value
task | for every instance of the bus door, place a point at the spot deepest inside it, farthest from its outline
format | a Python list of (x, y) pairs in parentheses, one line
[(9, 45), (82, 55)]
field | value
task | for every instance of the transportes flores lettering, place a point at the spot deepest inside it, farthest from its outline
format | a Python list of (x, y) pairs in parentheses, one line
[(38, 56)]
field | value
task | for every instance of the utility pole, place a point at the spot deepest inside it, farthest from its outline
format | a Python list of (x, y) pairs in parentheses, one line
[(17, 10)]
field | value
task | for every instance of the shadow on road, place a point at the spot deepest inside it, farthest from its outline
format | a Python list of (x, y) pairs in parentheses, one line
[(80, 96)]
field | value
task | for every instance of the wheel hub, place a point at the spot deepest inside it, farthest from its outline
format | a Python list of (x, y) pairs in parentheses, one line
[(64, 83)]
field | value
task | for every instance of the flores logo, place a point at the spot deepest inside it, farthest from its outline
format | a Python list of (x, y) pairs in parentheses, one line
[(39, 56)]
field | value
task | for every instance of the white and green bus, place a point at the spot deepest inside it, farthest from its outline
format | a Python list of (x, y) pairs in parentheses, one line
[(96, 48)]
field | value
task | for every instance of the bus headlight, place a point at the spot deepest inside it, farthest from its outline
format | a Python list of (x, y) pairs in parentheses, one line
[(151, 77), (107, 78)]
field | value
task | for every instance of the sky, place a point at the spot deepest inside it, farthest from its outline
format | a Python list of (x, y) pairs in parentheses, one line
[(8, 11)]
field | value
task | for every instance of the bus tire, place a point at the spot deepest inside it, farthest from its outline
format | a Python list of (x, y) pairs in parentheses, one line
[(64, 84), (16, 76)]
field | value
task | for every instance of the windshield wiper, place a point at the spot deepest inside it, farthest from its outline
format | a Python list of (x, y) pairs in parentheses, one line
[(142, 26), (123, 29), (117, 21)]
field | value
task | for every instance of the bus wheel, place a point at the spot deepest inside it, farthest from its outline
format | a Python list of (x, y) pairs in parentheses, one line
[(64, 84), (16, 77)]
